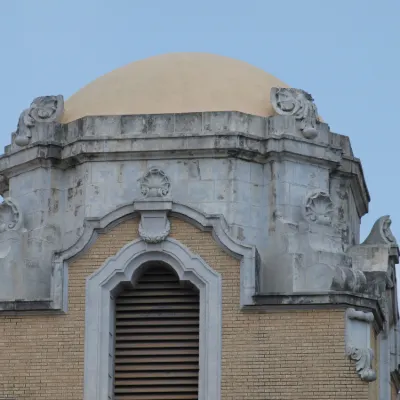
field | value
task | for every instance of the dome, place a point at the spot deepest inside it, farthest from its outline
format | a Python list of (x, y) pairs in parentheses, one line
[(176, 83)]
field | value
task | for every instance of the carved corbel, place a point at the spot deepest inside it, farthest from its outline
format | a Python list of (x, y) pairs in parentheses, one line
[(154, 206), (299, 104), (44, 109), (358, 341)]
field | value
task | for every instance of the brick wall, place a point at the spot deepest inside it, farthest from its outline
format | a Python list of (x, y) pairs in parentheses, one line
[(292, 355)]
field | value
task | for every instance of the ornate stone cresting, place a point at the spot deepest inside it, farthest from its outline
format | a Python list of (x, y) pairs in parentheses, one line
[(155, 183), (358, 331), (297, 103), (381, 232), (318, 207), (155, 187), (10, 216), (44, 109)]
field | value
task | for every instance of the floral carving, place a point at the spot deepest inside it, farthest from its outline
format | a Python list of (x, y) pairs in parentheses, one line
[(155, 183), (319, 208), (10, 216), (44, 109), (298, 103), (363, 358), (154, 237)]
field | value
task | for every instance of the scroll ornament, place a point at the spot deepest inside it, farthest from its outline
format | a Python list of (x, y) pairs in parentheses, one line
[(44, 109), (297, 103), (363, 358)]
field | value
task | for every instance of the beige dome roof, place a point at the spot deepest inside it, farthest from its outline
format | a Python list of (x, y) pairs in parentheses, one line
[(176, 83)]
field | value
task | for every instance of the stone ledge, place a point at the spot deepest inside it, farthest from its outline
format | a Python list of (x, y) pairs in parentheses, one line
[(21, 307), (309, 301)]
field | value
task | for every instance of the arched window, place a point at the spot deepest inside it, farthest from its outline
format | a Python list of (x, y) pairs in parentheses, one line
[(106, 291), (157, 337)]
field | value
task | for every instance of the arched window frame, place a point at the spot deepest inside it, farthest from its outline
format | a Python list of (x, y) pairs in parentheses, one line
[(102, 288)]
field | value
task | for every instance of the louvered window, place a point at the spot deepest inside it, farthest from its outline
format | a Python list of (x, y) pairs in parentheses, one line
[(157, 338)]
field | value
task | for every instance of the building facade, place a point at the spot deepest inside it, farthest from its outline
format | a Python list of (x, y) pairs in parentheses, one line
[(187, 227)]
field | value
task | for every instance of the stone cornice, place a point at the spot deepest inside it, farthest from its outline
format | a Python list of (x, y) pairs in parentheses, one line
[(337, 300), (232, 144)]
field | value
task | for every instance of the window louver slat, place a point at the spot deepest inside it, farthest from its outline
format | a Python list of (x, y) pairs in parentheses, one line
[(157, 339)]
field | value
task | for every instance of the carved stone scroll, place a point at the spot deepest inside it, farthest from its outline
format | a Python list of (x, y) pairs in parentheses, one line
[(358, 341), (297, 103), (44, 109)]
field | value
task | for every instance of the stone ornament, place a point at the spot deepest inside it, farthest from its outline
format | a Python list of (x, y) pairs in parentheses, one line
[(381, 232), (155, 183), (363, 358), (358, 328), (318, 208), (154, 236), (297, 103), (10, 216), (44, 109)]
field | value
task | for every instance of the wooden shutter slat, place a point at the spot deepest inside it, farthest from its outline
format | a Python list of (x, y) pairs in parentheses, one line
[(158, 396), (157, 339), (156, 374), (158, 345), (155, 329), (155, 300), (167, 367)]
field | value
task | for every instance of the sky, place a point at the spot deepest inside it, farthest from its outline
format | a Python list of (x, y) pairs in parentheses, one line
[(346, 53)]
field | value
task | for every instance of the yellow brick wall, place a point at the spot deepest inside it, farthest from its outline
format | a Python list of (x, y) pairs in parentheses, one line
[(297, 355)]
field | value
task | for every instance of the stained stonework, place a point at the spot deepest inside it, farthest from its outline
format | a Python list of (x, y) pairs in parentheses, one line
[(258, 348), (276, 198)]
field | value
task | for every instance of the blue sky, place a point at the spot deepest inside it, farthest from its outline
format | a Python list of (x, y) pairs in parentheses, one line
[(346, 53)]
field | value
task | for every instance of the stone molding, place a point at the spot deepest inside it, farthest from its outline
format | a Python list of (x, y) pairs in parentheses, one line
[(102, 288), (243, 136), (358, 342), (216, 224)]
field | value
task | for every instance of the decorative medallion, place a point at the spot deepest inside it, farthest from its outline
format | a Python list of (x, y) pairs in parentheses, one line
[(44, 109), (155, 183), (297, 103), (10, 216), (319, 208)]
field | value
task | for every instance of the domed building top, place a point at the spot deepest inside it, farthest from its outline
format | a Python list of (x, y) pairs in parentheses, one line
[(176, 83)]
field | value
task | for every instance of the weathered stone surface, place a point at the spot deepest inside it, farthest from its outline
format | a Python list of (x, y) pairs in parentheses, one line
[(269, 177)]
